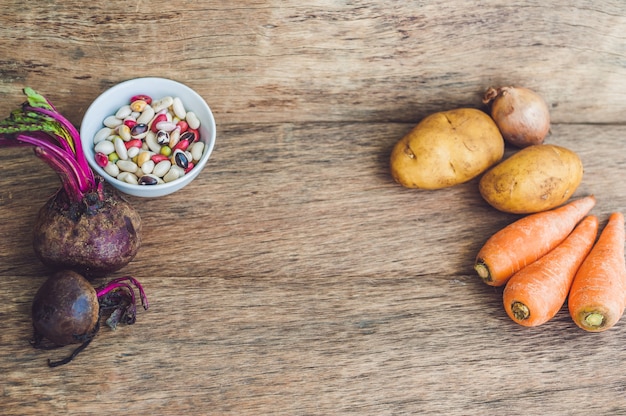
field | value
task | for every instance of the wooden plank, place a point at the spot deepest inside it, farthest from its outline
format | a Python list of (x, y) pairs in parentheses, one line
[(323, 61), (295, 277)]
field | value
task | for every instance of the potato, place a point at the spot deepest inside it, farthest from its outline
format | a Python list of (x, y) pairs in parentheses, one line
[(537, 178), (447, 148)]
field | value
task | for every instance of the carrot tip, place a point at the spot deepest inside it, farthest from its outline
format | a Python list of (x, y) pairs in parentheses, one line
[(520, 311), (483, 271)]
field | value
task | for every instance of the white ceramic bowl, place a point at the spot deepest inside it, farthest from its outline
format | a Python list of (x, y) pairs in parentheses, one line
[(112, 99)]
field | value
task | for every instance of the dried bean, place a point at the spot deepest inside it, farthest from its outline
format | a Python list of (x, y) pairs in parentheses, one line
[(197, 149), (162, 168), (163, 137), (192, 120), (179, 108), (148, 141), (180, 158), (124, 132), (138, 105), (143, 157), (128, 177), (127, 166), (102, 134), (112, 169), (147, 166), (146, 115), (112, 122), (174, 137), (151, 141), (181, 145), (101, 159), (123, 112), (132, 152), (166, 150), (105, 146), (120, 148), (130, 122), (143, 97), (139, 131), (165, 126), (158, 158), (133, 143), (162, 104), (148, 180), (174, 173)]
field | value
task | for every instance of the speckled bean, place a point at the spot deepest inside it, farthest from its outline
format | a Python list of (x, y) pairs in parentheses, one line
[(148, 180), (179, 158)]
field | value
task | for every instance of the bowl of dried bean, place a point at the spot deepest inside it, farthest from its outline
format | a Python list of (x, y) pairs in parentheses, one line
[(148, 137)]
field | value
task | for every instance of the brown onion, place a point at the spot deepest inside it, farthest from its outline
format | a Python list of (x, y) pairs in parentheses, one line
[(521, 114)]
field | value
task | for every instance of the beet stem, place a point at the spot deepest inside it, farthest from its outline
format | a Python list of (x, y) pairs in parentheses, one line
[(142, 294), (39, 124), (112, 286), (73, 139)]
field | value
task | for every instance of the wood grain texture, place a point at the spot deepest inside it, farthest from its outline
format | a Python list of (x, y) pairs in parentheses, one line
[(327, 60), (294, 276)]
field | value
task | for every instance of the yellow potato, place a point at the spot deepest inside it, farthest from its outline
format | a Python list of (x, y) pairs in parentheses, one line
[(447, 148), (536, 178)]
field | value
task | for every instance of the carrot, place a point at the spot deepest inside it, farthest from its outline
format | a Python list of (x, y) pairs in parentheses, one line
[(536, 293), (598, 295), (524, 241)]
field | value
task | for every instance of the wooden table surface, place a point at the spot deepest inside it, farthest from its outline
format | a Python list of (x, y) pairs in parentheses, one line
[(294, 276)]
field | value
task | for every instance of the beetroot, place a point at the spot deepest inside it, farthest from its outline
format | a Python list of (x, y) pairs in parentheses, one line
[(67, 310), (92, 239), (85, 226)]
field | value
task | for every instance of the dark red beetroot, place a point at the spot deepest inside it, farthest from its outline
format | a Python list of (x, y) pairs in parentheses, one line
[(67, 310), (95, 237), (85, 226)]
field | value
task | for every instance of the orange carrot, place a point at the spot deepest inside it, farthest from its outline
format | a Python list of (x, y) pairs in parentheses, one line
[(536, 293), (524, 241), (598, 295)]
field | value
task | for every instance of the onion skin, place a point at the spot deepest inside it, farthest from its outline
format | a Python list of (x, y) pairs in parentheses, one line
[(65, 309), (521, 114), (95, 237)]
